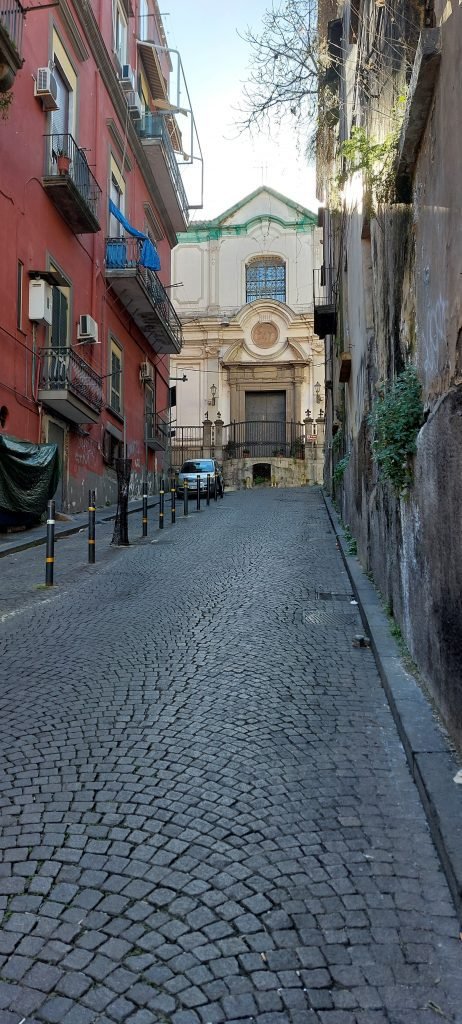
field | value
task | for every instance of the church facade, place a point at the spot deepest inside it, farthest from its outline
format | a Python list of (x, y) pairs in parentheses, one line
[(243, 289)]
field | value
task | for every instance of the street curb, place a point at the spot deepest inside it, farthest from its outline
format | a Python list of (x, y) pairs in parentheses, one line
[(431, 762), (37, 541)]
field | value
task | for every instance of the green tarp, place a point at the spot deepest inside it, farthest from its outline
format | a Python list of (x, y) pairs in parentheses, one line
[(29, 475)]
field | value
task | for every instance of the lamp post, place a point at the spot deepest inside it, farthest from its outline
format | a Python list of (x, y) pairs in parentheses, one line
[(213, 391)]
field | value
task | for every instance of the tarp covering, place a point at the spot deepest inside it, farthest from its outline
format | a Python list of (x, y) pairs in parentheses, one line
[(29, 475), (149, 256)]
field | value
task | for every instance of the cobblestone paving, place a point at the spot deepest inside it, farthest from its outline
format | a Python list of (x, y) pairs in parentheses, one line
[(207, 814)]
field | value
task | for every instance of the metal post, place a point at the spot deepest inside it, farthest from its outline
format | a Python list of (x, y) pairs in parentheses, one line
[(161, 504), (215, 488), (185, 498), (145, 508), (173, 500), (50, 555), (198, 493), (208, 488), (91, 527)]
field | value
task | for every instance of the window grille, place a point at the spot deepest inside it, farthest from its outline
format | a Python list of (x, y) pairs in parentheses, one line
[(266, 279)]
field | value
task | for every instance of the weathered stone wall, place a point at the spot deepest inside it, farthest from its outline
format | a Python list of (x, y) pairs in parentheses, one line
[(412, 544), (238, 473)]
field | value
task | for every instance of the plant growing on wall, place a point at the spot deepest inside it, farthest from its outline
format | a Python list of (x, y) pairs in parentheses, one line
[(395, 419), (375, 159), (340, 468), (6, 99)]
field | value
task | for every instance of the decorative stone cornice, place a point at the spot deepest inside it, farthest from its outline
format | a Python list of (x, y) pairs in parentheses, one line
[(118, 142), (74, 34)]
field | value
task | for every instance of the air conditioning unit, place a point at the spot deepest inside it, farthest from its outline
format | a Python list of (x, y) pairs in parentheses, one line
[(46, 89), (40, 302), (87, 329), (146, 371), (135, 105), (127, 78)]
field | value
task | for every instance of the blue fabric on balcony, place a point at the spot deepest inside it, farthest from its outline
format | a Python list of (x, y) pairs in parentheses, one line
[(149, 257)]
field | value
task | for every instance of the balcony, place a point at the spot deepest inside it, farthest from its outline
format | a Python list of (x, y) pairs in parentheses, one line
[(142, 295), (157, 431), (12, 16), (70, 184), (157, 144), (325, 308), (69, 386)]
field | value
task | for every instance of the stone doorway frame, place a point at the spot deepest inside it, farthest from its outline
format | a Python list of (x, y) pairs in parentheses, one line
[(287, 377)]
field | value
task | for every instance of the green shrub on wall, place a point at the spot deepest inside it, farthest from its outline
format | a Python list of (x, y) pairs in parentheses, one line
[(395, 419), (340, 468)]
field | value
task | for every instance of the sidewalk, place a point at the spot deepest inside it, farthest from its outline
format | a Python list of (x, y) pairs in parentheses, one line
[(10, 543), (426, 745)]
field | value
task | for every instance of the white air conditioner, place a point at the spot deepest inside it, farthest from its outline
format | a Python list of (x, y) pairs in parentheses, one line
[(87, 329), (146, 371), (46, 89), (40, 302), (135, 105), (127, 78)]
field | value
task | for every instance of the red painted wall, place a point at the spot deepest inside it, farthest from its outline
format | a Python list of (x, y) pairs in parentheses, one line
[(33, 231)]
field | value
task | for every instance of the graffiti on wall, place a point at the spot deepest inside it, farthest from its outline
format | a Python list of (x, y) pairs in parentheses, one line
[(85, 453)]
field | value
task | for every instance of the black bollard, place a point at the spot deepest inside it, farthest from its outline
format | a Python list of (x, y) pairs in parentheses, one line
[(173, 501), (145, 508), (50, 554), (161, 504), (185, 498), (198, 493), (215, 489), (208, 488), (91, 527)]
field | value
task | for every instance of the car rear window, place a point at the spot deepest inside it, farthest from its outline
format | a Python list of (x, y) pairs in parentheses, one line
[(198, 467)]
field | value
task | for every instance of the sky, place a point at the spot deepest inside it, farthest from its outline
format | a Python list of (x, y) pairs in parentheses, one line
[(216, 64)]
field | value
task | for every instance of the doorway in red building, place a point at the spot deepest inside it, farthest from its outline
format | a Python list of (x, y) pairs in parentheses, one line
[(56, 435)]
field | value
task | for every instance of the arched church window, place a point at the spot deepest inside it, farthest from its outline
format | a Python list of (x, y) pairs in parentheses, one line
[(265, 278)]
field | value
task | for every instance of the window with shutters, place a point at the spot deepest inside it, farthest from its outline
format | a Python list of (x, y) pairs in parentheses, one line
[(144, 20), (265, 278), (62, 118), (149, 409), (59, 330), (115, 379), (113, 448), (117, 193), (19, 294), (120, 32)]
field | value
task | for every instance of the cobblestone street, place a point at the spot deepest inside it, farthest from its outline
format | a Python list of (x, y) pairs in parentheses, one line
[(207, 813)]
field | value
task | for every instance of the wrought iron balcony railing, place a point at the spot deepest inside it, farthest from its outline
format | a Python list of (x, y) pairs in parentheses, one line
[(62, 369), (72, 186), (264, 438), (159, 321), (12, 16), (157, 429), (325, 289), (153, 126)]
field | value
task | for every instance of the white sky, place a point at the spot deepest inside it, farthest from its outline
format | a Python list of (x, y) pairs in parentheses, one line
[(215, 62)]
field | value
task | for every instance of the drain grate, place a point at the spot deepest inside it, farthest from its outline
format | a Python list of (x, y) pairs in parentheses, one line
[(328, 608)]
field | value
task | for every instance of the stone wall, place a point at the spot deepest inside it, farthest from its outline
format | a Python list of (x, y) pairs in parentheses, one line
[(238, 473)]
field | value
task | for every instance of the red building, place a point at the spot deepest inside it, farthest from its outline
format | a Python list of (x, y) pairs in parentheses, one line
[(86, 322)]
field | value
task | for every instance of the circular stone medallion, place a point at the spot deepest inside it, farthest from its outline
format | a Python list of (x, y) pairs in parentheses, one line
[(265, 335)]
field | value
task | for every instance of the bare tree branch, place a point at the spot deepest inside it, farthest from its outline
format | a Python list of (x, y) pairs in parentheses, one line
[(286, 60)]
